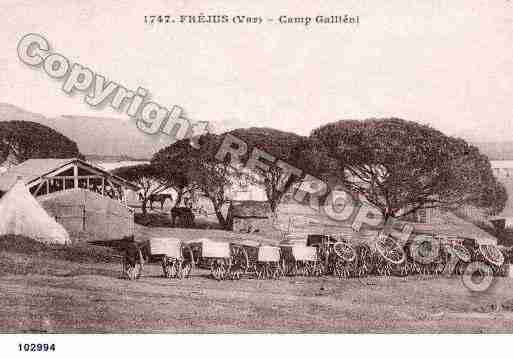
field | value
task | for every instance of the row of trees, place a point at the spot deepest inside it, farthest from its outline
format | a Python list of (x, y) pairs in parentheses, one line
[(33, 140), (397, 165)]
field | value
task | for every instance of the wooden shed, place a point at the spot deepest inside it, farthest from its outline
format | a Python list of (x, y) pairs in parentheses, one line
[(250, 216)]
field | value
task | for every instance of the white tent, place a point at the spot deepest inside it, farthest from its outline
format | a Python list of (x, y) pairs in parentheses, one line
[(21, 214)]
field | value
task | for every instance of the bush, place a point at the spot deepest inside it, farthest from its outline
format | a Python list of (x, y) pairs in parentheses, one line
[(79, 252)]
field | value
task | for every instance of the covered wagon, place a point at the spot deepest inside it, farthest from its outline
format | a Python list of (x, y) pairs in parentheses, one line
[(263, 260), (174, 255), (225, 260), (300, 259)]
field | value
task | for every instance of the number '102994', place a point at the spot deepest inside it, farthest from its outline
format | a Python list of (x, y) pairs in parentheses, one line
[(39, 347)]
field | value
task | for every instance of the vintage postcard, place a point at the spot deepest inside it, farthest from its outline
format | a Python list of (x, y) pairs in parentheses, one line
[(237, 167)]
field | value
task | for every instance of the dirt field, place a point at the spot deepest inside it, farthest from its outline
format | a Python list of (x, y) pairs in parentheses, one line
[(60, 296), (80, 291)]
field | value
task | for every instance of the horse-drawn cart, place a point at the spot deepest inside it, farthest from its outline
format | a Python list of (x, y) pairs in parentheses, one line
[(297, 259), (263, 260), (225, 260), (174, 255), (131, 253)]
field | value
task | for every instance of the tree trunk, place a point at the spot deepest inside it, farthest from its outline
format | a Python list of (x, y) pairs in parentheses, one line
[(274, 205), (143, 206), (179, 196), (222, 221)]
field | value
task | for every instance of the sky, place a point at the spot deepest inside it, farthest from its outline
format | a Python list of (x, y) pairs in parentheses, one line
[(444, 63)]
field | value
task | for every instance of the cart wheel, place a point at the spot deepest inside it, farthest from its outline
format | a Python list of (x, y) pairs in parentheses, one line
[(215, 270), (174, 269), (188, 255), (318, 269), (266, 271), (258, 270), (303, 268), (218, 269), (140, 265), (165, 268), (179, 269), (491, 254), (170, 267), (132, 268), (341, 269), (390, 250), (284, 267), (364, 262), (277, 271), (236, 274), (186, 269), (240, 258)]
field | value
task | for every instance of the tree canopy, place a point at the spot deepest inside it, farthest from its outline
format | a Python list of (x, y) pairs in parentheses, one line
[(193, 168), (149, 178), (401, 166), (283, 146), (33, 140)]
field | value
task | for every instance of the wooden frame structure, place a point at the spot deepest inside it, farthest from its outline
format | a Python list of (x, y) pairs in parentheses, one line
[(79, 174)]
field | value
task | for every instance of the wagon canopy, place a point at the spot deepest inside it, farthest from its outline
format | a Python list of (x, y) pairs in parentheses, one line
[(21, 214)]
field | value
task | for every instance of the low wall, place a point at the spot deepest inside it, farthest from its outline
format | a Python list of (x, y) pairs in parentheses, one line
[(89, 216)]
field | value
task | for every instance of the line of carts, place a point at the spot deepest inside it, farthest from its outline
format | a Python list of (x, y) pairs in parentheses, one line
[(318, 255)]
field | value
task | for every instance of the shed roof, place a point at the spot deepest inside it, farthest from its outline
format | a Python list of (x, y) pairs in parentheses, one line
[(34, 168), (250, 209)]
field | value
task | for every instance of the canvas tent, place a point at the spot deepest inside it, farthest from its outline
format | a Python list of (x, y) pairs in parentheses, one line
[(21, 214)]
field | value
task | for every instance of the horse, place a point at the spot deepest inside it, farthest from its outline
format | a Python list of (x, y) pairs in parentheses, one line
[(160, 197)]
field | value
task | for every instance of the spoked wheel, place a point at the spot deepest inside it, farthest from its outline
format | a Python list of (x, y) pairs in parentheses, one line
[(236, 274), (287, 267), (402, 269), (264, 270), (343, 259), (179, 264), (171, 268), (276, 270), (318, 269), (240, 261), (219, 268), (462, 254), (186, 269), (342, 269), (188, 258), (133, 267), (165, 268), (364, 261), (259, 271), (344, 251), (383, 267), (390, 254), (131, 270), (491, 254), (390, 250), (303, 268)]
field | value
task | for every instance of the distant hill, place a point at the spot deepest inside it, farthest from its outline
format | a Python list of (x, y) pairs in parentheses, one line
[(119, 139), (496, 150), (110, 158), (495, 142), (103, 136)]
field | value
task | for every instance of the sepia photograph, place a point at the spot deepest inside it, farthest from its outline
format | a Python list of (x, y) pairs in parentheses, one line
[(231, 167)]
